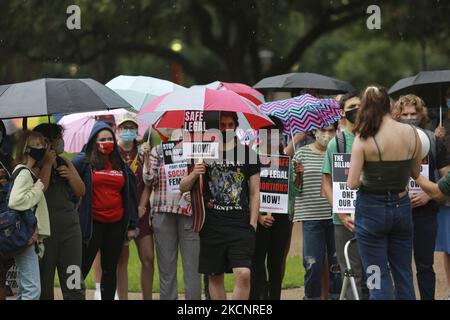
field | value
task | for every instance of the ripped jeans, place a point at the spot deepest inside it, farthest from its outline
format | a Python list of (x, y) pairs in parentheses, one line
[(318, 242)]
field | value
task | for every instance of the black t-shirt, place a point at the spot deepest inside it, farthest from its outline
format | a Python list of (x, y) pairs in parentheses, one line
[(442, 160), (226, 185)]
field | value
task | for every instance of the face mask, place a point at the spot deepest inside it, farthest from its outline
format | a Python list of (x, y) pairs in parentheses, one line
[(414, 122), (59, 146), (128, 135), (448, 103), (351, 115), (37, 153), (105, 147), (323, 139)]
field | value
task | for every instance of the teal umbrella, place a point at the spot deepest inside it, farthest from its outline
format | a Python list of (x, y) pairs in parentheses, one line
[(140, 90)]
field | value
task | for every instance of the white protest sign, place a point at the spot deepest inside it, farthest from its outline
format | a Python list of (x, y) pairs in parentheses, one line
[(413, 187), (174, 165), (201, 150), (274, 184)]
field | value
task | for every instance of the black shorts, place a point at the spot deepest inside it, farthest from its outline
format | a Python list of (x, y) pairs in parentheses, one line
[(223, 248)]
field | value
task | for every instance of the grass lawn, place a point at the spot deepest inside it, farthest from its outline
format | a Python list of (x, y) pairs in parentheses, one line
[(292, 279)]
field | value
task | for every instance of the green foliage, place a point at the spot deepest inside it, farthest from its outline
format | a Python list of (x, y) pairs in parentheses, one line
[(222, 39)]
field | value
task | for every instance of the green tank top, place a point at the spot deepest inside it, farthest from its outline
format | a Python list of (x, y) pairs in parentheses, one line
[(381, 177)]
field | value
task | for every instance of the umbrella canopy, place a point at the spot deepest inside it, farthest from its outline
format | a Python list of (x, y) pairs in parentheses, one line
[(77, 127), (241, 89), (56, 96), (169, 109), (303, 113), (140, 90), (304, 80), (431, 86)]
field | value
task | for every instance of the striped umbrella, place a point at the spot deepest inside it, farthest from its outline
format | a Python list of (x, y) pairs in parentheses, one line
[(168, 110), (303, 113)]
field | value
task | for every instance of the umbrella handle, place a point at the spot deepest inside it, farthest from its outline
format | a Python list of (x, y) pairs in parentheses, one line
[(440, 105), (293, 142)]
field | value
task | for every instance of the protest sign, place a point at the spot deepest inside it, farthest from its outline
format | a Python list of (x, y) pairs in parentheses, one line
[(274, 184), (344, 199)]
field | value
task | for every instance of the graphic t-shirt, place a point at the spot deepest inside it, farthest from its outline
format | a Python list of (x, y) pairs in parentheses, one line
[(107, 204), (226, 186)]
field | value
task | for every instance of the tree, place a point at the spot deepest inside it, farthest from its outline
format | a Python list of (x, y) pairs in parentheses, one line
[(222, 39)]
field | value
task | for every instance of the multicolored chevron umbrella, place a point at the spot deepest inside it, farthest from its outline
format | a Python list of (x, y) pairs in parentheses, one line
[(303, 113)]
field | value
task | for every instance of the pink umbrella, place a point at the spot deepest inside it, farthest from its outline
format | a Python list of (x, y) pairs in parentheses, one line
[(168, 110), (78, 126), (241, 89)]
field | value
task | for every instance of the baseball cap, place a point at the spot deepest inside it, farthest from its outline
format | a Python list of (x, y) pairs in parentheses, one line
[(127, 117)]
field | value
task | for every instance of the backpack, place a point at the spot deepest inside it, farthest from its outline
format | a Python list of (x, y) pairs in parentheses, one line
[(340, 142), (16, 227)]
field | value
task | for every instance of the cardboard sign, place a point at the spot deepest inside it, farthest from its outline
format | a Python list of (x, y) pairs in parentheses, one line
[(174, 164), (274, 184), (344, 199), (413, 187)]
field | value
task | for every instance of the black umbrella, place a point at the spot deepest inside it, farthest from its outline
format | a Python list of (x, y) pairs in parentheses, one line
[(304, 80), (57, 96), (431, 86)]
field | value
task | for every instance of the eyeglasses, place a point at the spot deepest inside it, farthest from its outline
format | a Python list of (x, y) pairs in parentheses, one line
[(105, 140)]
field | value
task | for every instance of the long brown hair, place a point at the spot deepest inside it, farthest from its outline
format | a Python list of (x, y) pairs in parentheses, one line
[(375, 104), (97, 159)]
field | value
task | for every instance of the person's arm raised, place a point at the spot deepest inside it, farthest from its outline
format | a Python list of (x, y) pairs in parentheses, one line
[(187, 183)]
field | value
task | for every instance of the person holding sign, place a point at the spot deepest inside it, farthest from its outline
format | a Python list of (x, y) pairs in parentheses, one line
[(410, 109), (231, 196), (273, 232), (383, 220), (127, 127), (172, 228), (342, 219), (316, 216)]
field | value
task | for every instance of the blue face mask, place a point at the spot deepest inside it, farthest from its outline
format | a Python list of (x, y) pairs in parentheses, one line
[(128, 135), (448, 103)]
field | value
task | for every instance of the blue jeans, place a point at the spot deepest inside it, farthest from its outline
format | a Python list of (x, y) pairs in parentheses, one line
[(28, 278), (384, 234), (318, 241)]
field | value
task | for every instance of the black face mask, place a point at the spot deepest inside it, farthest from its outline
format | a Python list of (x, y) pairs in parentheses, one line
[(37, 153), (414, 122), (351, 115)]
